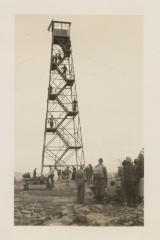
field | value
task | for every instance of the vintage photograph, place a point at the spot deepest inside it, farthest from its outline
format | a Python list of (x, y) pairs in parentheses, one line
[(79, 127)]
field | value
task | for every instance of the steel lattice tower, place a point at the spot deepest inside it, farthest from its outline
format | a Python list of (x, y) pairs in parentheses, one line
[(63, 144)]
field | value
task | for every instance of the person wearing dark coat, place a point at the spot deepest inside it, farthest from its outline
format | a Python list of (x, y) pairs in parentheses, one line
[(35, 172), (80, 184), (141, 176), (90, 173), (130, 182), (136, 165), (122, 186), (73, 173)]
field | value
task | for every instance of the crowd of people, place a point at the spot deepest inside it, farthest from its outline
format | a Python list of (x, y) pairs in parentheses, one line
[(126, 187), (131, 174)]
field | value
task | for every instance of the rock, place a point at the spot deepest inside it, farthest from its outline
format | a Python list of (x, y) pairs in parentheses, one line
[(43, 213), (36, 215), (26, 211), (52, 223), (81, 219), (130, 223), (97, 208), (81, 210), (42, 218), (40, 221), (27, 216), (18, 216), (140, 206), (98, 219), (37, 210), (109, 206), (65, 212), (92, 219), (66, 220)]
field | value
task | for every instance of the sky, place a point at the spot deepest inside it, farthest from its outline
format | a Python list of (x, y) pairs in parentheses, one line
[(108, 64)]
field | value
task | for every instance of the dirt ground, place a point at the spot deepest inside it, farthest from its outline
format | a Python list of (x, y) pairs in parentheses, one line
[(58, 207)]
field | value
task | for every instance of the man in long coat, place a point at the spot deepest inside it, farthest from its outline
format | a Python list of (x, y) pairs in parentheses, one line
[(80, 183)]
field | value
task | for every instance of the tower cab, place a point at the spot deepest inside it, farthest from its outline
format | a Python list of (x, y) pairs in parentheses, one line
[(61, 29), (61, 36)]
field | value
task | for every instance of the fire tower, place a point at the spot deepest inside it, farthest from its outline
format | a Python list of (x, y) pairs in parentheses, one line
[(63, 144)]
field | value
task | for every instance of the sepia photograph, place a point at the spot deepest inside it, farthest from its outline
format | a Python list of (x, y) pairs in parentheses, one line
[(79, 127)]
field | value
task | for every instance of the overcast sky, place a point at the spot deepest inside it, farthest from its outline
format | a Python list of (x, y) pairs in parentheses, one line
[(108, 62)]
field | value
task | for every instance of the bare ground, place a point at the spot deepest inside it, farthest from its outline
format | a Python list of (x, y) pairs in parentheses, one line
[(58, 207)]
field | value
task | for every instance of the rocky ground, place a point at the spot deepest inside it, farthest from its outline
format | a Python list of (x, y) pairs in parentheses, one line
[(58, 207)]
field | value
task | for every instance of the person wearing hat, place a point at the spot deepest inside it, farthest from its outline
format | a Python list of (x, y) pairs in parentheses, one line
[(136, 165), (130, 182), (51, 176), (141, 175), (80, 183), (100, 180), (35, 173), (90, 174), (123, 198), (67, 174)]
